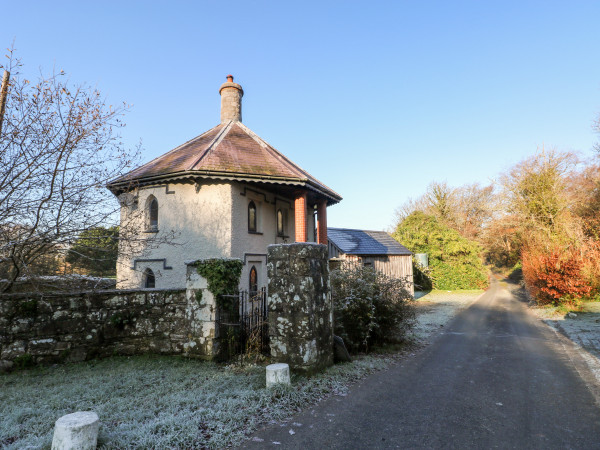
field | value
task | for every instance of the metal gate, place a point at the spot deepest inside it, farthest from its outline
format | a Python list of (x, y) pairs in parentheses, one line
[(247, 331)]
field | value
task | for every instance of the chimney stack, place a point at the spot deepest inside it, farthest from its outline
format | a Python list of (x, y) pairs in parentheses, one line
[(231, 100)]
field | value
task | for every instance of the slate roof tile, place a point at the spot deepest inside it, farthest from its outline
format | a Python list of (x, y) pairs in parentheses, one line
[(365, 242)]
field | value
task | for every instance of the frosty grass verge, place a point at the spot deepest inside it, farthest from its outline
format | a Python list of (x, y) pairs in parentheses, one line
[(172, 402)]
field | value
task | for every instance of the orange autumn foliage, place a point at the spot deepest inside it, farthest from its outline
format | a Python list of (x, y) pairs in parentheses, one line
[(556, 275)]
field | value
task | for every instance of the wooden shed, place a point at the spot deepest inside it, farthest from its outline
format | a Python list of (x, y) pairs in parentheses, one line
[(371, 248)]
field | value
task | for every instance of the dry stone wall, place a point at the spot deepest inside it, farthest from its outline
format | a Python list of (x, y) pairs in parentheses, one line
[(48, 328), (300, 306)]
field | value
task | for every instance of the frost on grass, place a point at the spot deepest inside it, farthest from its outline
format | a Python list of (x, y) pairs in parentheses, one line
[(171, 402), (160, 402)]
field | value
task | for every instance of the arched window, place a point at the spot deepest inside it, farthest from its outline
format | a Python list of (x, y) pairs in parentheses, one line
[(279, 222), (252, 217), (253, 281), (149, 280), (315, 221), (152, 213)]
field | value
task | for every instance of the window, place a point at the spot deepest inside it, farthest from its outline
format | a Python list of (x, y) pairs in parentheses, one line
[(152, 211), (252, 217), (149, 280), (253, 281), (315, 222), (279, 222)]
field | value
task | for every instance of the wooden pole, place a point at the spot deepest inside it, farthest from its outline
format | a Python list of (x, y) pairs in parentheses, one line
[(3, 95)]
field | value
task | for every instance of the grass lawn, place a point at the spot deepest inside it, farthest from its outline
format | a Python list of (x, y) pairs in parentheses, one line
[(173, 402), (160, 402)]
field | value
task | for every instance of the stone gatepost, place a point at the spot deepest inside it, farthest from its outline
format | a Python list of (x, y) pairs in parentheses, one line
[(201, 313), (300, 306)]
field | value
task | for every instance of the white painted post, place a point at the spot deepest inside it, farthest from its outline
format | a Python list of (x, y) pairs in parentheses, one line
[(278, 373), (77, 431)]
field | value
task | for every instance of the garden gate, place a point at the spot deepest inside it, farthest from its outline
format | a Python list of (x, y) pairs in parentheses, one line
[(247, 330)]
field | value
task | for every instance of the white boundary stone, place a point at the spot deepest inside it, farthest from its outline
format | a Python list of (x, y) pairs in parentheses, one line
[(278, 373), (77, 431)]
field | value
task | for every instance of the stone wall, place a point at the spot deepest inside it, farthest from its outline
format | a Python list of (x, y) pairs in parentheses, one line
[(300, 306), (48, 328)]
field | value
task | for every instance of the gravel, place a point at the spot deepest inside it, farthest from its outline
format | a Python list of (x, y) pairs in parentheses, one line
[(436, 308)]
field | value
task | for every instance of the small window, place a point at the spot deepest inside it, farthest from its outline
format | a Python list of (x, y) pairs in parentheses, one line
[(252, 217), (315, 221), (149, 280), (152, 214), (279, 222), (253, 281)]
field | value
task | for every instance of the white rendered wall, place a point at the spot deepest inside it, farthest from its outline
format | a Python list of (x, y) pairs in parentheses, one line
[(197, 218), (208, 221), (252, 248)]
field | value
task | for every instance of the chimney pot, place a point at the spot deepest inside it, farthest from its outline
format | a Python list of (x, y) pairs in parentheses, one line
[(231, 100)]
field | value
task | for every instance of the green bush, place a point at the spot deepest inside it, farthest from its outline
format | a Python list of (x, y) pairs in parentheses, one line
[(370, 308), (454, 261)]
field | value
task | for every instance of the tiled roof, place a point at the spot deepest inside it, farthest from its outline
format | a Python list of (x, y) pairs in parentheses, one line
[(231, 151), (365, 242)]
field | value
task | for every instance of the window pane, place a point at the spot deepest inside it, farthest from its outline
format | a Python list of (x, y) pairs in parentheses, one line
[(154, 213), (279, 222), (253, 280), (149, 280), (252, 217)]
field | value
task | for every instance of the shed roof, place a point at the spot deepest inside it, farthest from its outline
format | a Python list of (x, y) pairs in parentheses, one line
[(365, 242), (228, 151)]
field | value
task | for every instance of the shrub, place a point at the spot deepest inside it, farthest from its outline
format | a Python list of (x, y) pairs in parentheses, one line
[(370, 308), (454, 261), (555, 275), (591, 265)]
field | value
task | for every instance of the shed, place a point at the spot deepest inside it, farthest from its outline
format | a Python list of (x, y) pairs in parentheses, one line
[(371, 248)]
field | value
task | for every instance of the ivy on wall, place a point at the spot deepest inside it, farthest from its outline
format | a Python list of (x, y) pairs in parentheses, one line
[(222, 276)]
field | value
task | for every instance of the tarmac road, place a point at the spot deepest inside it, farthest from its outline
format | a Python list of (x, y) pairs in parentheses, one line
[(495, 378)]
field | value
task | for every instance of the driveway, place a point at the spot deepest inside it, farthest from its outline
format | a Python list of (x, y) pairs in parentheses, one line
[(496, 377)]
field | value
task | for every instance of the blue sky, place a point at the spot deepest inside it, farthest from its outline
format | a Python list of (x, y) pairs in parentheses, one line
[(375, 99)]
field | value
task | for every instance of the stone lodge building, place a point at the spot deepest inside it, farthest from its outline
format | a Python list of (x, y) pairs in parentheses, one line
[(223, 194)]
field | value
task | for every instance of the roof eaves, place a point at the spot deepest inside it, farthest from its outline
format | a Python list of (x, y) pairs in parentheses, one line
[(191, 174), (129, 183)]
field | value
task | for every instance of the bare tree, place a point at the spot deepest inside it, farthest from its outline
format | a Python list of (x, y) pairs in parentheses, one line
[(59, 147), (439, 200), (475, 207), (536, 191), (466, 209)]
